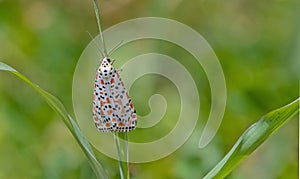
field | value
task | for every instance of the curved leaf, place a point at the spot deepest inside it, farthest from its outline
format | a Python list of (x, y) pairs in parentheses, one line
[(59, 108), (252, 138)]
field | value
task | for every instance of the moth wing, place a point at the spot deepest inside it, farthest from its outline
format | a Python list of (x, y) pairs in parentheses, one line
[(102, 105), (123, 107)]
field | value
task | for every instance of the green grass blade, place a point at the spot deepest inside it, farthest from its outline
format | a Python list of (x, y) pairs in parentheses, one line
[(97, 12), (252, 138), (117, 142), (59, 108), (126, 151)]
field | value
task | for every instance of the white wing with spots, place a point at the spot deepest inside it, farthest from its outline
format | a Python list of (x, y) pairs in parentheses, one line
[(112, 106)]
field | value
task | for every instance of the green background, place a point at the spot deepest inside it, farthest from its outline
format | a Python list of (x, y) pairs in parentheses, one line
[(257, 43)]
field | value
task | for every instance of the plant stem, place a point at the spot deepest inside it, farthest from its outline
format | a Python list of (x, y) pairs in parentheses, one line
[(96, 8), (126, 154), (116, 138)]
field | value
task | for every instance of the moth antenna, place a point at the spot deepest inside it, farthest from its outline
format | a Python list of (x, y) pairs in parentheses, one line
[(97, 12), (115, 48), (97, 45)]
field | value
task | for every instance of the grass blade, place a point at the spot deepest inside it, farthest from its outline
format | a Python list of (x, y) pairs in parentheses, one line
[(97, 12), (126, 151), (59, 108), (252, 138), (117, 142)]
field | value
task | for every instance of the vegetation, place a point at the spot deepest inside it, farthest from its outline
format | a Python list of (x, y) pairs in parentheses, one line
[(256, 42)]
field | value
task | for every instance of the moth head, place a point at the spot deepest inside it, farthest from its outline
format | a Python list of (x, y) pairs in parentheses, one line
[(106, 67)]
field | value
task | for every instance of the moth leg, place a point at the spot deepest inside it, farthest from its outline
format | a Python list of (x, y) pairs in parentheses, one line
[(119, 70)]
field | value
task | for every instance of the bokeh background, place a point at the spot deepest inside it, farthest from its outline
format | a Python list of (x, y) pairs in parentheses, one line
[(257, 43)]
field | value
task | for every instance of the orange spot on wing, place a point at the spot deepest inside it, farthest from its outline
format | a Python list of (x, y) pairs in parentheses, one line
[(118, 101), (96, 119), (101, 112), (121, 124), (109, 112), (123, 110)]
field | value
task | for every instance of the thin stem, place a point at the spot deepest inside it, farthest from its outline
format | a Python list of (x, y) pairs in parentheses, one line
[(97, 12), (126, 154), (116, 138)]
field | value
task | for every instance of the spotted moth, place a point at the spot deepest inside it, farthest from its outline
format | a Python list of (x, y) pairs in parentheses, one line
[(112, 107)]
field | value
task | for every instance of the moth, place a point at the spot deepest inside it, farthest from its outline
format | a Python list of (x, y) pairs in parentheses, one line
[(113, 110)]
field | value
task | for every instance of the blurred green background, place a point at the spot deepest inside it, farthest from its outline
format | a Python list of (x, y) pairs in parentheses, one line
[(257, 43)]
